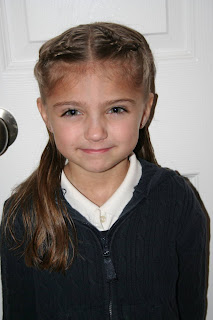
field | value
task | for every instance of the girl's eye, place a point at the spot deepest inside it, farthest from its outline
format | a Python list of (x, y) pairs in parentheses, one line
[(117, 110), (71, 113)]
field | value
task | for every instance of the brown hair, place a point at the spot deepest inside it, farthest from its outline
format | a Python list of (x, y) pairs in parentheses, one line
[(49, 231)]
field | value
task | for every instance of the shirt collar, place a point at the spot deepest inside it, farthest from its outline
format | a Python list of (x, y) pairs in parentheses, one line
[(113, 207)]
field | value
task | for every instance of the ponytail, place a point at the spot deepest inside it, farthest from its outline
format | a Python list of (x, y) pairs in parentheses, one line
[(144, 148), (47, 236)]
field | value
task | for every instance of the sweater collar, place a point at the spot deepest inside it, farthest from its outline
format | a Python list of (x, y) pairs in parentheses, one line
[(113, 207), (152, 174)]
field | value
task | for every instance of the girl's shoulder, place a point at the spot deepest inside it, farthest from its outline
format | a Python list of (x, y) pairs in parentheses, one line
[(169, 183), (174, 196), (154, 176)]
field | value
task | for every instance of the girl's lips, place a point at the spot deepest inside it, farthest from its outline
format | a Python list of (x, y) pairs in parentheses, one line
[(96, 151)]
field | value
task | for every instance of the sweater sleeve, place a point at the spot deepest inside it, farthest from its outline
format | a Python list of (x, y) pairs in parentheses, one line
[(17, 284), (191, 249)]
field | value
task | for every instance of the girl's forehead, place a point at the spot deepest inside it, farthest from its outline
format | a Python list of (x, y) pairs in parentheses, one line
[(114, 71), (100, 69)]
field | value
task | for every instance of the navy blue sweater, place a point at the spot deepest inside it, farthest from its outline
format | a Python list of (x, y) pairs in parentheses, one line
[(150, 265)]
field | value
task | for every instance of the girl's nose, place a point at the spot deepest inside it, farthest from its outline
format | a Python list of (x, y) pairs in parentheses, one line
[(95, 130)]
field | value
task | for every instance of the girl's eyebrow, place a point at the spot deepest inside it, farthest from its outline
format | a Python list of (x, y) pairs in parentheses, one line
[(66, 103), (80, 103)]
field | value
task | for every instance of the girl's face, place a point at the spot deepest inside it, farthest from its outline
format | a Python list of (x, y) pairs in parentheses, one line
[(95, 117)]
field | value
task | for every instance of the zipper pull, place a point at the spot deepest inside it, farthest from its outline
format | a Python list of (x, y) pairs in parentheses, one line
[(109, 267)]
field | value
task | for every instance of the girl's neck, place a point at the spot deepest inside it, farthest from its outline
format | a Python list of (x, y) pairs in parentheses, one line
[(97, 187)]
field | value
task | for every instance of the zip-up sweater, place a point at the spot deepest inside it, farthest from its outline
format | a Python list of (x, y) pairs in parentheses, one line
[(150, 265)]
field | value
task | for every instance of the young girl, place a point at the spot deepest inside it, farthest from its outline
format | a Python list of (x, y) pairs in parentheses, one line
[(100, 230)]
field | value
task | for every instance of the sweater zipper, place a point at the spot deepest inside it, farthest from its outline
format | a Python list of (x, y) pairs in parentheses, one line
[(109, 269), (110, 272), (110, 302)]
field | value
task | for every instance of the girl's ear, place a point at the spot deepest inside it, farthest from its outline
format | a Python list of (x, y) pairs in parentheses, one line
[(43, 111), (147, 110)]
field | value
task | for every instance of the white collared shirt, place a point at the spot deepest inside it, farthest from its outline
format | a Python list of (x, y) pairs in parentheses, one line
[(105, 216)]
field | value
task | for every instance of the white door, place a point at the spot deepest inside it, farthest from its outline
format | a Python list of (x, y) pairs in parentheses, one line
[(180, 33)]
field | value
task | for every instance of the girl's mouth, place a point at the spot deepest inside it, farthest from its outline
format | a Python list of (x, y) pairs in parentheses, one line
[(96, 151)]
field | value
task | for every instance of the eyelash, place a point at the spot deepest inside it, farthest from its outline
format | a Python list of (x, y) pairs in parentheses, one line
[(119, 110), (71, 113), (74, 112)]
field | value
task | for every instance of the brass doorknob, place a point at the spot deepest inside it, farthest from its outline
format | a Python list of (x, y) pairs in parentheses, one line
[(8, 130)]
